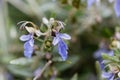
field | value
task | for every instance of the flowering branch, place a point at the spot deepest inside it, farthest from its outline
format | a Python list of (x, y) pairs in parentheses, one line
[(53, 31), (109, 59), (52, 37)]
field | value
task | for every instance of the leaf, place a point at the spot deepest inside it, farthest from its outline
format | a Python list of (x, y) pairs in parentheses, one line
[(21, 71), (111, 58), (117, 52), (21, 61), (98, 69), (66, 64), (75, 77)]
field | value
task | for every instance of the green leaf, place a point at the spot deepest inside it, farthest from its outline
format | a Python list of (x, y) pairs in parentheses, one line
[(21, 71), (111, 58), (98, 69), (75, 77), (21, 61), (117, 52), (67, 64)]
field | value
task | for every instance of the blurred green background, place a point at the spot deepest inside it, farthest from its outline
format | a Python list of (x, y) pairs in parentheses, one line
[(87, 27)]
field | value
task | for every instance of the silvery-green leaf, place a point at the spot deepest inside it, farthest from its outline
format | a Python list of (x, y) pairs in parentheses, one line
[(98, 69), (68, 63), (75, 77), (21, 71), (21, 61), (111, 58)]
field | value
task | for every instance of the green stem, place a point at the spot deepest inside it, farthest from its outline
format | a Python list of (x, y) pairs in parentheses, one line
[(40, 40)]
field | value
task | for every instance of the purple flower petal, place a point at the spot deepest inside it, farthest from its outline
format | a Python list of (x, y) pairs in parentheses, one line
[(62, 48), (65, 36), (98, 55), (37, 71), (106, 74), (65, 45), (90, 3), (27, 45), (109, 76), (28, 50), (118, 79), (100, 51), (117, 7), (25, 37), (111, 53), (31, 42), (28, 53), (55, 40)]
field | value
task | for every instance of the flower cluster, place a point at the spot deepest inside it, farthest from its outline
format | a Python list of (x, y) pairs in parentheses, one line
[(110, 70), (54, 28), (112, 73), (58, 37), (110, 59), (62, 47), (116, 5)]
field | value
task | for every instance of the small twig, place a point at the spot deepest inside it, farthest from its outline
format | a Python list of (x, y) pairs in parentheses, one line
[(41, 71)]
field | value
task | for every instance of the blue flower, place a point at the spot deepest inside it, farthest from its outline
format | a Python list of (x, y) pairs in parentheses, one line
[(98, 55), (62, 47), (90, 3), (117, 7), (28, 45), (108, 75)]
